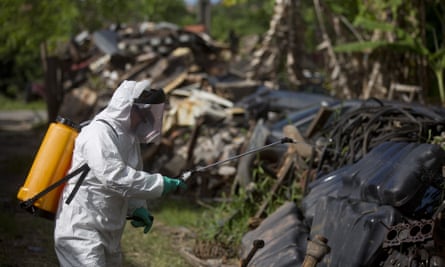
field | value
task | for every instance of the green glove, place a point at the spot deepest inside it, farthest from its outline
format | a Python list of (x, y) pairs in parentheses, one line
[(171, 184), (142, 218)]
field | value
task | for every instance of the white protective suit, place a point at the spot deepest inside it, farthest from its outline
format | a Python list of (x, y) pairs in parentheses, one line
[(89, 229)]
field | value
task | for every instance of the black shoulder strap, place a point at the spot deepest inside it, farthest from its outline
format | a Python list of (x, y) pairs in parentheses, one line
[(107, 123), (27, 204)]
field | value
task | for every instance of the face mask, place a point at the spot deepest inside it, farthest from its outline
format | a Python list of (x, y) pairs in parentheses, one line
[(150, 127)]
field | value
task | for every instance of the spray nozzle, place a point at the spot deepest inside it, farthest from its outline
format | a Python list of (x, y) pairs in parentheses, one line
[(186, 175)]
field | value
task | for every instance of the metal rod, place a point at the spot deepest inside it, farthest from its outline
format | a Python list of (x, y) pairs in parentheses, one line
[(284, 140)]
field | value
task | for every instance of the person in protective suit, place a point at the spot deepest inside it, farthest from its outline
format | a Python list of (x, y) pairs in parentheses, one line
[(88, 230)]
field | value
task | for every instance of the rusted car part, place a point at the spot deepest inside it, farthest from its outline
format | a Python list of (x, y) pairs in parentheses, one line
[(359, 205), (414, 257), (416, 243), (285, 238), (357, 132), (257, 244), (376, 212), (317, 248), (410, 232)]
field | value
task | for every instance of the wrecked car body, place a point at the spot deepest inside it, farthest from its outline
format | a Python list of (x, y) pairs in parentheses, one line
[(375, 198), (360, 208)]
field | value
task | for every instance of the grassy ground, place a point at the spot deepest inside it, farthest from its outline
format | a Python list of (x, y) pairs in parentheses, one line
[(172, 230)]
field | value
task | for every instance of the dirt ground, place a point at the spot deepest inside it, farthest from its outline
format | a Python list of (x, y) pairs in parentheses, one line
[(25, 240)]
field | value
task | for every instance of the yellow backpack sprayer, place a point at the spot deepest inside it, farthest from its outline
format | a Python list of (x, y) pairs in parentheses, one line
[(42, 188)]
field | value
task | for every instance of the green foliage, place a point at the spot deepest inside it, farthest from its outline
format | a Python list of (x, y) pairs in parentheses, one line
[(346, 8), (177, 213), (379, 11), (244, 17), (438, 140), (227, 223), (97, 14), (25, 25), (401, 19), (173, 11)]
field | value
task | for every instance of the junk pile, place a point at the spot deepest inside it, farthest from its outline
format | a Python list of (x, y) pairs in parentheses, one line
[(358, 131), (376, 199), (94, 64), (212, 109), (370, 172), (384, 210)]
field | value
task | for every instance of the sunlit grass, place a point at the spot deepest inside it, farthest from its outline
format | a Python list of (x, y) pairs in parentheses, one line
[(152, 249), (178, 213), (173, 228)]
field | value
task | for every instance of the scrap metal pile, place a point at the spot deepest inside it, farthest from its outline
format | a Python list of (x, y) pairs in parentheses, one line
[(357, 132), (370, 171), (378, 202)]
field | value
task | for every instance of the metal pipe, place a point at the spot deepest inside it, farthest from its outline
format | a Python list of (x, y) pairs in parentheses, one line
[(187, 174), (316, 250), (257, 244)]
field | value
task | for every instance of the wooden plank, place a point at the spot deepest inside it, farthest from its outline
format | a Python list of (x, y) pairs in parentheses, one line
[(320, 119)]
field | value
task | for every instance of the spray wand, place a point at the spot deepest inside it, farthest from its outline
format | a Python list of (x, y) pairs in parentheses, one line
[(184, 176)]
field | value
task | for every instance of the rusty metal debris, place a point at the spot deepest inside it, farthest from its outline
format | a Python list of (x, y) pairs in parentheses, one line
[(410, 232), (316, 250), (380, 211), (285, 238), (257, 244), (363, 129)]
